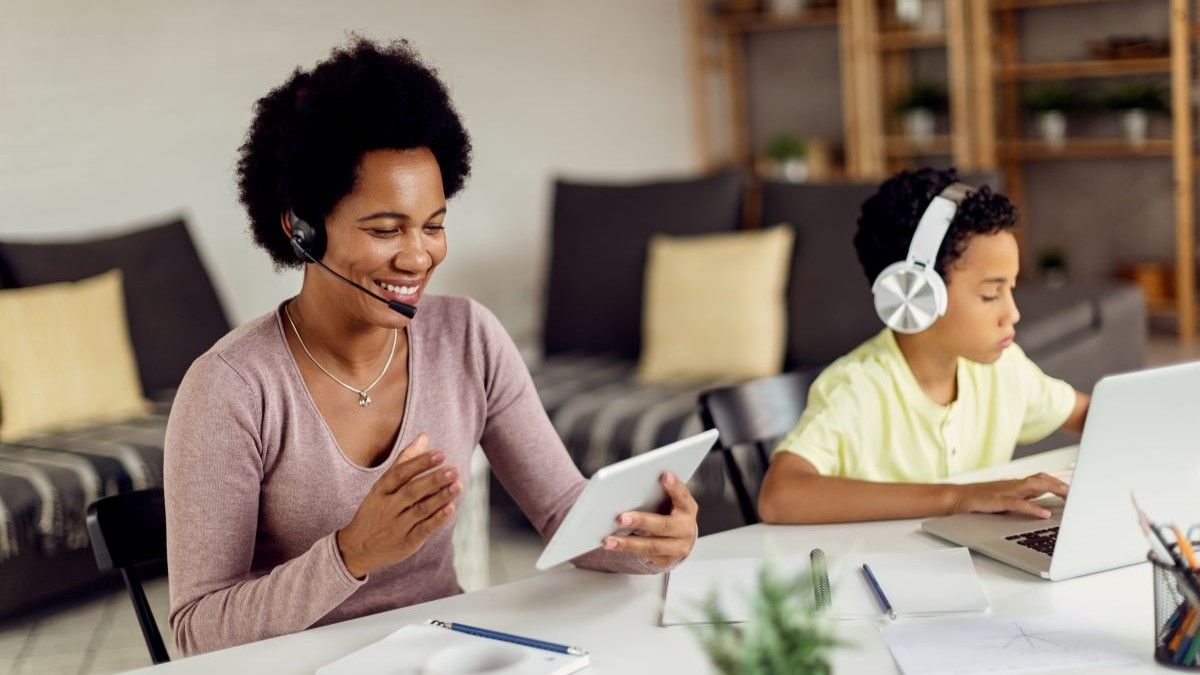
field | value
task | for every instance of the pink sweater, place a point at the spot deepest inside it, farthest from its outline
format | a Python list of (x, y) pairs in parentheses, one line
[(256, 486)]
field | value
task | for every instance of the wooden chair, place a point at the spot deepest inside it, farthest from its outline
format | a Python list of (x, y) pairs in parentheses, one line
[(129, 530), (756, 413)]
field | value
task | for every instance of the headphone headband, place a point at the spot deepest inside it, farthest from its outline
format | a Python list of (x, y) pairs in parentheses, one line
[(931, 229)]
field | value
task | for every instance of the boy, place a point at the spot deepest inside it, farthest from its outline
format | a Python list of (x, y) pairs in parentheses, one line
[(910, 407)]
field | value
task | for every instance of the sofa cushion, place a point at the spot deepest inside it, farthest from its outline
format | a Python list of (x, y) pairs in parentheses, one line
[(715, 305), (174, 315), (598, 253), (71, 361)]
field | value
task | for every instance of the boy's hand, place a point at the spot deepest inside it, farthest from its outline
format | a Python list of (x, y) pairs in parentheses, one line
[(1008, 495)]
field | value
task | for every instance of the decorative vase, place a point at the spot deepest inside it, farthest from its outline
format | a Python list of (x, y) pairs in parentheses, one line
[(1053, 126), (1135, 122), (919, 125)]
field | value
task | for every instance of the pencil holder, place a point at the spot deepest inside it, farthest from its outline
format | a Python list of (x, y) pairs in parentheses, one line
[(1176, 621)]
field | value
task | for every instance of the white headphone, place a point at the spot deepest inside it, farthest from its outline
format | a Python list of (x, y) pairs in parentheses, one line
[(910, 295)]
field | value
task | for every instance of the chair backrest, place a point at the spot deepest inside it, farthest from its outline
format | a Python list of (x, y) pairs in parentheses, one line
[(128, 530), (755, 413)]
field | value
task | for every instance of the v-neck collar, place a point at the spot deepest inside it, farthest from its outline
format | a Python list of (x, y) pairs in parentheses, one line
[(298, 381)]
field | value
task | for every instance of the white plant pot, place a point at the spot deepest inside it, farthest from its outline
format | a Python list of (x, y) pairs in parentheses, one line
[(909, 11), (1135, 121), (919, 125), (785, 7), (1052, 125), (792, 170)]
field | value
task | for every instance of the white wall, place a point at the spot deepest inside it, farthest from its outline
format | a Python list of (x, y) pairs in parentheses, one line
[(119, 111)]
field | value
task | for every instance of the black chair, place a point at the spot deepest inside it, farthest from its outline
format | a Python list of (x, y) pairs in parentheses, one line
[(127, 531), (756, 413)]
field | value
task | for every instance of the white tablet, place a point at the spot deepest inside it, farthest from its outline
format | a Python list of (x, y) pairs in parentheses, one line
[(629, 485)]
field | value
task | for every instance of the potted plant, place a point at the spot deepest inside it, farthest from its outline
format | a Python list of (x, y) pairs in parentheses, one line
[(786, 634), (1050, 104), (1135, 102), (919, 107), (787, 155), (1052, 265)]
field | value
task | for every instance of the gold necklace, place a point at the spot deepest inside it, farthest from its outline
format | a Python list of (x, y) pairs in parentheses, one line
[(364, 398)]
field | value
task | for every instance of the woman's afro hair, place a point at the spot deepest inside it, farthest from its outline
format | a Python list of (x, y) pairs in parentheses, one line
[(309, 135)]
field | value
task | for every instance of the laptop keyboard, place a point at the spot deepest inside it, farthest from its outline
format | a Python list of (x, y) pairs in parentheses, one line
[(1038, 540)]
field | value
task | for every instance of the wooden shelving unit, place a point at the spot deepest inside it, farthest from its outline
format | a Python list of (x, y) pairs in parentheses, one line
[(1068, 70), (999, 72), (752, 24), (1085, 148), (911, 39)]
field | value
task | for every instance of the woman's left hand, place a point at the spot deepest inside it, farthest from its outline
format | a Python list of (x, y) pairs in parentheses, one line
[(662, 539)]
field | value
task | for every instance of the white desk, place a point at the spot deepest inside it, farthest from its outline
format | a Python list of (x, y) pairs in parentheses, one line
[(616, 617)]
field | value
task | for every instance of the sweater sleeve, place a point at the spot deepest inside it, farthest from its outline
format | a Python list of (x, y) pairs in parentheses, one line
[(213, 469), (525, 452)]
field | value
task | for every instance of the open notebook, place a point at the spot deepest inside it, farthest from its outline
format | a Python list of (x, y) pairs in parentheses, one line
[(940, 581), (430, 650)]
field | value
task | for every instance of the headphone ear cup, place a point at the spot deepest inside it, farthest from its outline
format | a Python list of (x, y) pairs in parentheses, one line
[(307, 239), (909, 298)]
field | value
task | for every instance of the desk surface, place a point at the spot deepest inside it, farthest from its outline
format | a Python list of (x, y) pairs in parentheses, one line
[(616, 617)]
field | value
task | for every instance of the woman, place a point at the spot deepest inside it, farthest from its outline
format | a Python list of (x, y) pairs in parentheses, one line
[(314, 456)]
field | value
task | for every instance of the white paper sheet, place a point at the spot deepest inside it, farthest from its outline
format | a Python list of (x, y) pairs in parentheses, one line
[(429, 650), (994, 646), (928, 582)]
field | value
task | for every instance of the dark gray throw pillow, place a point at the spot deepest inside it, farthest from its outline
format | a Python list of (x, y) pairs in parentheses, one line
[(598, 253), (173, 311)]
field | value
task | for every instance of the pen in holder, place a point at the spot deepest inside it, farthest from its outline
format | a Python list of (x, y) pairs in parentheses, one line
[(1176, 619)]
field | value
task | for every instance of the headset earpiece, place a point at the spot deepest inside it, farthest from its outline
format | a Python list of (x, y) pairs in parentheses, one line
[(909, 294), (308, 242)]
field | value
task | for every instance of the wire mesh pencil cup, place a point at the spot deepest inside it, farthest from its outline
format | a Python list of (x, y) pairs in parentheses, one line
[(1176, 618)]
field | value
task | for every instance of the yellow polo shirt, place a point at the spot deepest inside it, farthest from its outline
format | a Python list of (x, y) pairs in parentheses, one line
[(868, 418)]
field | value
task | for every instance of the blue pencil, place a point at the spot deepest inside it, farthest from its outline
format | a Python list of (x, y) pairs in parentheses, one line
[(508, 637)]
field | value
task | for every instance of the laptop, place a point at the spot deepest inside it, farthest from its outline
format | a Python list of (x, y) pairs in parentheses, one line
[(1142, 435)]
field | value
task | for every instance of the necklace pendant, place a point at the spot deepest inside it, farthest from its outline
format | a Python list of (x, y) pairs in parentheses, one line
[(364, 399)]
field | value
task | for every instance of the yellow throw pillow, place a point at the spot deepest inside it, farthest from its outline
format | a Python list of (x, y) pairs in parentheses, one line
[(715, 305), (65, 357)]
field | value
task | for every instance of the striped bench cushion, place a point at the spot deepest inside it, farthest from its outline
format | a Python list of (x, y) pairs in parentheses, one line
[(604, 414)]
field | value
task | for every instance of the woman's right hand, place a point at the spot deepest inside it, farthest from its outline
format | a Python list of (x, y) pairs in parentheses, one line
[(1008, 495), (409, 502)]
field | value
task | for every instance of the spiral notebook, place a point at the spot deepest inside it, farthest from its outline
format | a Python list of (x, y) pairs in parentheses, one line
[(422, 649), (941, 581)]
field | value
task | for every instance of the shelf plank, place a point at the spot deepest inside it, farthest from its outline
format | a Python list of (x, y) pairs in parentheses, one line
[(1085, 148), (902, 146), (1028, 4), (754, 23), (911, 39), (1060, 70)]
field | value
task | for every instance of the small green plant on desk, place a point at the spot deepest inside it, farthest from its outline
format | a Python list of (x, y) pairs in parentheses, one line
[(786, 634)]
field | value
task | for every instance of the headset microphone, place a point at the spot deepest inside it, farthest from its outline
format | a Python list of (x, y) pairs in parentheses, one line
[(309, 246)]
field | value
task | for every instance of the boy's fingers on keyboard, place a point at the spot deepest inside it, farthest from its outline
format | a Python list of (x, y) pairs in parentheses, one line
[(1019, 505), (1042, 483)]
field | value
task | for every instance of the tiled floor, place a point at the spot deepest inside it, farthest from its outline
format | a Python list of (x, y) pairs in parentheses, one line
[(99, 633)]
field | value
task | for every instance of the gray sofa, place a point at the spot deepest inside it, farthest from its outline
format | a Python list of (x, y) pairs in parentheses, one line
[(1077, 332), (46, 482)]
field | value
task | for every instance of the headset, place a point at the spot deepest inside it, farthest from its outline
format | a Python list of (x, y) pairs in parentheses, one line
[(308, 243), (910, 295)]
